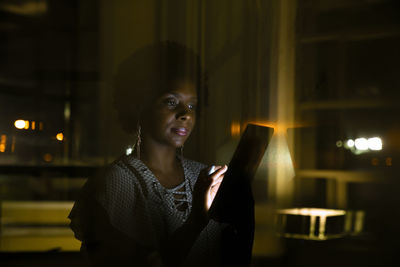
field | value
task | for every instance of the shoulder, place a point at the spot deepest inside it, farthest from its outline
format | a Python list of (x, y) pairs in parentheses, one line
[(120, 168), (116, 182), (125, 169)]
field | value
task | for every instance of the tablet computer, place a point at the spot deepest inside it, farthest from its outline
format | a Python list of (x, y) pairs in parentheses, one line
[(241, 170)]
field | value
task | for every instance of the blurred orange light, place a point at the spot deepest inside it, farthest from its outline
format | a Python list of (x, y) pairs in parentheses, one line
[(279, 128), (60, 136), (235, 129), (13, 144), (375, 161), (388, 161), (3, 143), (48, 157), (33, 125), (265, 123)]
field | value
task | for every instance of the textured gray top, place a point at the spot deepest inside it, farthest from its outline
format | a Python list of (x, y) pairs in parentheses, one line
[(138, 206)]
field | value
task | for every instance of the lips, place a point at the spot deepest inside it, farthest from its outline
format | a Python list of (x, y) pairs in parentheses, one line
[(181, 131)]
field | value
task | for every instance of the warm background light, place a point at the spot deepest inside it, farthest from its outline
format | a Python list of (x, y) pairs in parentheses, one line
[(48, 157), (60, 136), (235, 129), (19, 124), (3, 143)]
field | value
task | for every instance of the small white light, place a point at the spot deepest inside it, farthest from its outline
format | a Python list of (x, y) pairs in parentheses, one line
[(375, 143), (361, 143), (350, 143), (128, 151)]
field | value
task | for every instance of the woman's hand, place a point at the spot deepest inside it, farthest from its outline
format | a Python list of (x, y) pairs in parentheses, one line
[(205, 190), (217, 177)]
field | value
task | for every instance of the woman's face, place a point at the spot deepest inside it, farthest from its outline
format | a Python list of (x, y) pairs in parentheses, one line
[(171, 118)]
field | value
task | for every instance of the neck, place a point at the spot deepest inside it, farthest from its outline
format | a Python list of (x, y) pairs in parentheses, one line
[(158, 157)]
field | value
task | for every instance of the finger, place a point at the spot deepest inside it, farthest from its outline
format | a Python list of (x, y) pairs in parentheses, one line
[(217, 180), (219, 172), (212, 169), (214, 189)]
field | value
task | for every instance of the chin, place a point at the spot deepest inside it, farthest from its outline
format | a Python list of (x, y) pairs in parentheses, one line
[(178, 143)]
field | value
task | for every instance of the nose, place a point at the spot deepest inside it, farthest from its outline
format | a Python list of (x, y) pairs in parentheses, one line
[(183, 113)]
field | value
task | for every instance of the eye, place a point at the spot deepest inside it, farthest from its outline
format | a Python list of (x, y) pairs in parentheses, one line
[(171, 102), (192, 106)]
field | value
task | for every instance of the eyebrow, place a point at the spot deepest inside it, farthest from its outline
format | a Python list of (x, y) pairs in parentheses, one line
[(179, 95)]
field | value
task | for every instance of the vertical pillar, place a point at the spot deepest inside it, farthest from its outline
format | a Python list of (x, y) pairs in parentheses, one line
[(282, 101)]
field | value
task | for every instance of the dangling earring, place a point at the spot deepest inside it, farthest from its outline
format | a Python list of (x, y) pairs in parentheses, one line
[(138, 140), (182, 151)]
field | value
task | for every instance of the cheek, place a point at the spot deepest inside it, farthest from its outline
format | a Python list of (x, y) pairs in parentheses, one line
[(194, 119), (162, 119)]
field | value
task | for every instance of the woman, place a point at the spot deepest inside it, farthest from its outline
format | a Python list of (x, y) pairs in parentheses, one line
[(150, 208)]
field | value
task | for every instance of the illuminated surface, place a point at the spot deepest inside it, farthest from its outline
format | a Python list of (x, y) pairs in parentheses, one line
[(279, 161), (311, 223), (312, 212), (36, 226)]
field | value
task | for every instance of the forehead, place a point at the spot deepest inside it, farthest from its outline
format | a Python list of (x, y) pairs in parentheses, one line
[(182, 87)]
